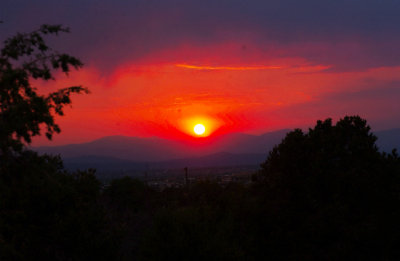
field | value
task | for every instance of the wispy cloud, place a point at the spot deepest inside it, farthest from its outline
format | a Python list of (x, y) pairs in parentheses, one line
[(228, 68)]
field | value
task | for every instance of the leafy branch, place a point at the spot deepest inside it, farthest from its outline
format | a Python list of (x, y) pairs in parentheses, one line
[(23, 111)]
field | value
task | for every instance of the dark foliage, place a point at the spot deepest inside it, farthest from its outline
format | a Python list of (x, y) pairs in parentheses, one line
[(23, 111), (48, 214), (337, 196), (45, 213), (327, 194)]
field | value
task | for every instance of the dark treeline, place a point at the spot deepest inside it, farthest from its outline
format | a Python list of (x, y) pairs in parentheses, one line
[(327, 194)]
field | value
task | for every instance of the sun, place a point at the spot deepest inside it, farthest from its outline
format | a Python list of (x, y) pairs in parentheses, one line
[(199, 129)]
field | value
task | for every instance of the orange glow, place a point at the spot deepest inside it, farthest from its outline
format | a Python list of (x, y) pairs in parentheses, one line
[(167, 94), (199, 129)]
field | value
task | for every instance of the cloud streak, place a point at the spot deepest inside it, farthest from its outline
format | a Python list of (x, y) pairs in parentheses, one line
[(228, 68)]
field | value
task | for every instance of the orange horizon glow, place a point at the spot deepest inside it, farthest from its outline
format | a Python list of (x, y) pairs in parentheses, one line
[(167, 99)]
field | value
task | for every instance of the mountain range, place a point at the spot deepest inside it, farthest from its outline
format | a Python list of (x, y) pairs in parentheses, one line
[(237, 149)]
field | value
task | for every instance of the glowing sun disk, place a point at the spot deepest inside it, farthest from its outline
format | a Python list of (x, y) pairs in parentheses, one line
[(199, 129)]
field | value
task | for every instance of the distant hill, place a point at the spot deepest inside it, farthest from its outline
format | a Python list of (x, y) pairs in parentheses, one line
[(132, 153), (157, 149)]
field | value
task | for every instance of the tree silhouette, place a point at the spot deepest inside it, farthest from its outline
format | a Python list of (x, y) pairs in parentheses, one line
[(335, 194), (46, 213), (326, 148), (22, 109)]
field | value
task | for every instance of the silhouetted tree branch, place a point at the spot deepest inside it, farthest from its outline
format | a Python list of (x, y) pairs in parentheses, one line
[(22, 109)]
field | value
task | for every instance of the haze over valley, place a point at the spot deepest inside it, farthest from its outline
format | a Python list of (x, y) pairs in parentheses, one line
[(131, 153)]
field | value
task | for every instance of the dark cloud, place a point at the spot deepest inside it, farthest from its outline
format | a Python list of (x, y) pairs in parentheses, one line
[(349, 34)]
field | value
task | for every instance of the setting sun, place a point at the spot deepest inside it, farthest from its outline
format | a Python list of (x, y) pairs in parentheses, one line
[(199, 129), (199, 126)]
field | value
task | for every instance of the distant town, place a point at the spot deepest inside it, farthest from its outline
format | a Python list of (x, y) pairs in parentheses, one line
[(161, 179)]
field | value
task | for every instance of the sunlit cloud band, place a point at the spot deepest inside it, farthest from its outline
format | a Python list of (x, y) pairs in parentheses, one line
[(229, 68)]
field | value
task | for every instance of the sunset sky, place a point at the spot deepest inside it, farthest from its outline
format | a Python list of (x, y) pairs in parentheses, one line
[(157, 68)]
